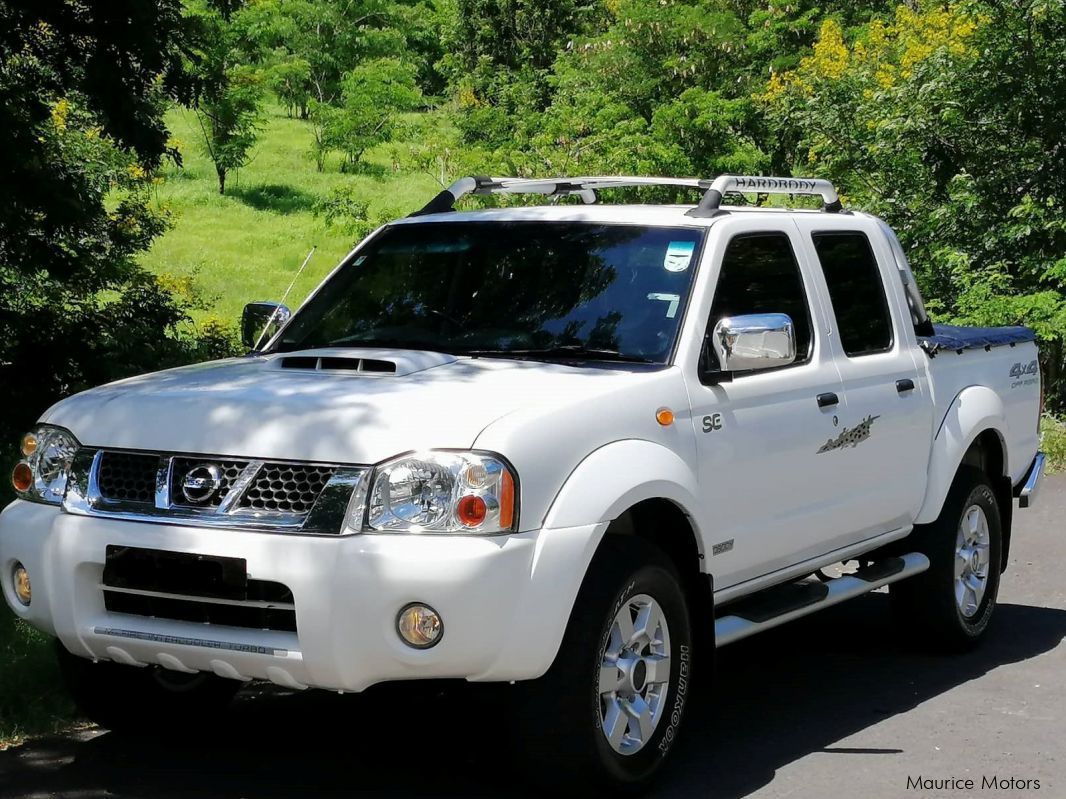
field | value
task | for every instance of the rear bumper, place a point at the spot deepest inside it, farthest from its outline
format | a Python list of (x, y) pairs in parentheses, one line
[(504, 600), (1028, 488)]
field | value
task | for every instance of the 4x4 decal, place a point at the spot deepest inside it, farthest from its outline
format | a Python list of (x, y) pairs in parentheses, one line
[(851, 437)]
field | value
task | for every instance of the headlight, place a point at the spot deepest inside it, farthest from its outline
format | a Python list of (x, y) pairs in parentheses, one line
[(441, 492), (42, 473)]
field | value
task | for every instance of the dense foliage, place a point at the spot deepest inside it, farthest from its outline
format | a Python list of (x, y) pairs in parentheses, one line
[(83, 88), (945, 118)]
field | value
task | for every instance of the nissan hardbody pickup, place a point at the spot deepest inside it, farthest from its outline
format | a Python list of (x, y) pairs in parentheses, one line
[(572, 446)]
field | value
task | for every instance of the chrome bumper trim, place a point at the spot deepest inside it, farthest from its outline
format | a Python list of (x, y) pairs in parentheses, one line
[(181, 640)]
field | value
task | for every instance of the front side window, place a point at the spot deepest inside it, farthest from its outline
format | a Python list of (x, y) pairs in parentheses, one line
[(760, 274), (856, 292), (508, 289)]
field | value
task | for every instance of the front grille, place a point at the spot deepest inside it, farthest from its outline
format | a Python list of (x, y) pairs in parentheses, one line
[(258, 616), (128, 477), (286, 487), (251, 617), (214, 491), (228, 470)]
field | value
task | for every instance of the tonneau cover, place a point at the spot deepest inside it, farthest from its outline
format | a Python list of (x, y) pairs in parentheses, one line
[(955, 337)]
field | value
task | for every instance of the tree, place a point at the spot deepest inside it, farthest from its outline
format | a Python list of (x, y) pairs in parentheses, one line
[(289, 79), (947, 121), (229, 114), (82, 93), (228, 108), (372, 96)]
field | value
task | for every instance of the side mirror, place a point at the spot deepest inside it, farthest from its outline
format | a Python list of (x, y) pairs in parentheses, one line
[(754, 341), (260, 321)]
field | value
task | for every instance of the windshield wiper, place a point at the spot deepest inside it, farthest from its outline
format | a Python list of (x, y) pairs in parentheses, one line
[(563, 351)]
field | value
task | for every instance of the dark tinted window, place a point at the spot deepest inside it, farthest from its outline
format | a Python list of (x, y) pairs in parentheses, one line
[(856, 290), (760, 275), (507, 287)]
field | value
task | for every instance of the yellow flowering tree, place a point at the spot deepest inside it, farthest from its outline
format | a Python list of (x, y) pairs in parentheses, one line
[(948, 120)]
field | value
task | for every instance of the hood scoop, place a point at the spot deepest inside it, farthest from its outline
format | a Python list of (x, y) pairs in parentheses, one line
[(337, 364), (362, 362)]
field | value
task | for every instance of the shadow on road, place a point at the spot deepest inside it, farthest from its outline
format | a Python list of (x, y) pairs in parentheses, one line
[(778, 697)]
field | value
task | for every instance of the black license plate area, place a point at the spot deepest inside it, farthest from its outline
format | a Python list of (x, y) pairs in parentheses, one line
[(182, 573)]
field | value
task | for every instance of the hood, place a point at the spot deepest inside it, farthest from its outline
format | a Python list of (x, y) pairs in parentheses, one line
[(333, 406)]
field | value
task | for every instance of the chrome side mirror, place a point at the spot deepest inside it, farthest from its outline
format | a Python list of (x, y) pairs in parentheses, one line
[(260, 321), (754, 341)]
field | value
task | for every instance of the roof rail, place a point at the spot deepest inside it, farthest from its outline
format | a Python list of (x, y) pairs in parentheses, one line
[(586, 188), (709, 205)]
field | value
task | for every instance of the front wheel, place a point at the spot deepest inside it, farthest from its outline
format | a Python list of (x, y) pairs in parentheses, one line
[(149, 700), (609, 709), (950, 606)]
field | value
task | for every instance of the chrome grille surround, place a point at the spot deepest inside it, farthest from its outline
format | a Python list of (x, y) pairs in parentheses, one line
[(271, 496)]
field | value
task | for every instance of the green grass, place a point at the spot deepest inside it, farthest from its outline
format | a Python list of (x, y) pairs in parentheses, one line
[(32, 699), (248, 244), (1053, 442)]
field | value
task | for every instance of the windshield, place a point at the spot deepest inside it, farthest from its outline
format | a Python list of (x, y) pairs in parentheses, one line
[(508, 289)]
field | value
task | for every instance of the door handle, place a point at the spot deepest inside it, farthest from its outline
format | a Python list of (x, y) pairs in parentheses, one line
[(828, 399), (904, 385)]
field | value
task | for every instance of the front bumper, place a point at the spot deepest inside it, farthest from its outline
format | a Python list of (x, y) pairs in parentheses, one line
[(505, 600)]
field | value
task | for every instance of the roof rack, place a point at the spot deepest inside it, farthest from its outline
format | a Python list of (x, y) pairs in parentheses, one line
[(586, 188)]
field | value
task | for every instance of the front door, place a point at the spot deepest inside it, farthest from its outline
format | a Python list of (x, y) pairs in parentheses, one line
[(771, 497)]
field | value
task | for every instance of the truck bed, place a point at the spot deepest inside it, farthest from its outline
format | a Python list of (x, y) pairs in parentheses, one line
[(1003, 359), (958, 338)]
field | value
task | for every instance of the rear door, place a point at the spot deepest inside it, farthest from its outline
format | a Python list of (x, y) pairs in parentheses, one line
[(880, 450)]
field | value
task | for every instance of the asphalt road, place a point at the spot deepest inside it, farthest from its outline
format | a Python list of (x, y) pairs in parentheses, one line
[(826, 707)]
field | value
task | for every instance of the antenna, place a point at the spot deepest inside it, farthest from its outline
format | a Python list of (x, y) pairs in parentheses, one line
[(285, 296)]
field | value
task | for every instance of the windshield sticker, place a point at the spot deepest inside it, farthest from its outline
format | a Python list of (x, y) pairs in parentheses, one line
[(674, 301), (678, 255)]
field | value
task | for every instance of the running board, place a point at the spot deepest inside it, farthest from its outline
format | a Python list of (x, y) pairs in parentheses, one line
[(781, 604)]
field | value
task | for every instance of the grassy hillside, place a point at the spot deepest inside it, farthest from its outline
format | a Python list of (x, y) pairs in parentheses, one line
[(248, 244)]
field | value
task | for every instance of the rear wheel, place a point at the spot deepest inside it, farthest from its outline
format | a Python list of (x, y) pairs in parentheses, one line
[(950, 605), (609, 709), (144, 700)]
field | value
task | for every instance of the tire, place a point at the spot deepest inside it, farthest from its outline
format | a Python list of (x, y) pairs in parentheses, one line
[(933, 609), (563, 716), (148, 700)]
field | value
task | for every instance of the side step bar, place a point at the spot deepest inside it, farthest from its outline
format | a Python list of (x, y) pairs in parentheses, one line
[(781, 604)]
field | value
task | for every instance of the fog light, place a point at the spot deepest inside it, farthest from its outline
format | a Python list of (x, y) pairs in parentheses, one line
[(22, 584), (419, 626)]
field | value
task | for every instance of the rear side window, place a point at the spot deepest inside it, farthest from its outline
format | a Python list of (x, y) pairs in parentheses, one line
[(856, 291), (760, 275)]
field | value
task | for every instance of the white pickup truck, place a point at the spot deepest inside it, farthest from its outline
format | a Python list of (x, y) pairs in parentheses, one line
[(572, 446)]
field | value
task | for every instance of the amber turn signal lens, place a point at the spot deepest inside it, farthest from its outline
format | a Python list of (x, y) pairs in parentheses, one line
[(506, 501), (471, 511), (664, 416), (29, 444), (22, 477)]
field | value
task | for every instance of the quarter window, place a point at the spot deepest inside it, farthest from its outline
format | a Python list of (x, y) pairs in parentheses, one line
[(856, 291), (760, 275)]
